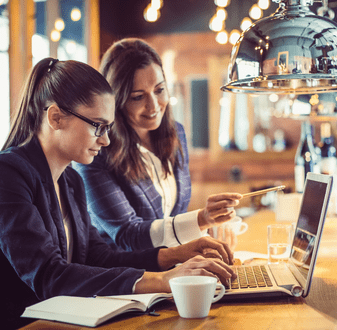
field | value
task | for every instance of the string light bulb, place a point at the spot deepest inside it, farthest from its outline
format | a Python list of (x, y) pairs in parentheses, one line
[(314, 100), (222, 37), (222, 3), (173, 100), (151, 14), (71, 47), (255, 12), (273, 97), (75, 14), (59, 24), (216, 24), (55, 35), (156, 4), (221, 13), (246, 23), (263, 4), (234, 36)]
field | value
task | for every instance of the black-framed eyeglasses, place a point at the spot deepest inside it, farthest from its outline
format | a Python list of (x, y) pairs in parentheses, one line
[(100, 128)]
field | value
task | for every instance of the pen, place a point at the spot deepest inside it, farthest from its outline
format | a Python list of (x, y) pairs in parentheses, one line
[(263, 191), (115, 298)]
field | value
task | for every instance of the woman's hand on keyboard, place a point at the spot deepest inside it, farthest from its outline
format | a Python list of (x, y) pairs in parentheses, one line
[(201, 266), (205, 246)]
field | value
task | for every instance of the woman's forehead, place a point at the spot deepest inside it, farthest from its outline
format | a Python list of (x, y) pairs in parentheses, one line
[(148, 76)]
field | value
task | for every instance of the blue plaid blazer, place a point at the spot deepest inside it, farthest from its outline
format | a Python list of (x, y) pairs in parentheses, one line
[(123, 212)]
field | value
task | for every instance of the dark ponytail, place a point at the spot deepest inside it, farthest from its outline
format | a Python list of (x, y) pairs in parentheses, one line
[(70, 83)]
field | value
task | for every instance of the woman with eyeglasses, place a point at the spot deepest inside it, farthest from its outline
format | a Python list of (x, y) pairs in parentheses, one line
[(48, 244), (139, 187)]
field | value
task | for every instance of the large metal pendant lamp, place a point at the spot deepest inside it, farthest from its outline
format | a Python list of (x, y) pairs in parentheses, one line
[(292, 51)]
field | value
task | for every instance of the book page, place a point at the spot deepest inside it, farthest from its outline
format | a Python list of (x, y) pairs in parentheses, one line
[(79, 310), (148, 299)]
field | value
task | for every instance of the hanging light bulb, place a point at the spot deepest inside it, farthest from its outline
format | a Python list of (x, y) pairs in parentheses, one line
[(222, 3), (156, 4), (59, 24), (234, 36), (75, 14), (216, 23), (222, 37), (71, 47), (263, 4), (151, 14), (255, 12), (273, 97), (55, 35), (221, 13), (246, 23), (314, 100), (173, 100)]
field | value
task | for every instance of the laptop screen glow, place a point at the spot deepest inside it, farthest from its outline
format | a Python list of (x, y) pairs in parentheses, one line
[(314, 204)]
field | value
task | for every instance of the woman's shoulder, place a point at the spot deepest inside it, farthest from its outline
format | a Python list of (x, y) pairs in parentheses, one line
[(16, 167), (180, 127), (14, 157), (181, 134)]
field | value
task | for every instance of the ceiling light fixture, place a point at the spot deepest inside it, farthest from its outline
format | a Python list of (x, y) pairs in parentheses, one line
[(292, 51)]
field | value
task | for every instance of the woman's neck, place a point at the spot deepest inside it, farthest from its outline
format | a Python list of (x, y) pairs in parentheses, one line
[(146, 141), (56, 164)]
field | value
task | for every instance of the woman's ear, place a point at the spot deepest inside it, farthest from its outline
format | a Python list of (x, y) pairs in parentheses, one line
[(54, 116)]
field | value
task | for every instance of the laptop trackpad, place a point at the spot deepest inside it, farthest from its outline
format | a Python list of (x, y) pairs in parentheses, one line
[(282, 274)]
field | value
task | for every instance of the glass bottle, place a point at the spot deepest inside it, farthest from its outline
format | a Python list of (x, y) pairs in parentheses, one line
[(328, 151), (306, 159)]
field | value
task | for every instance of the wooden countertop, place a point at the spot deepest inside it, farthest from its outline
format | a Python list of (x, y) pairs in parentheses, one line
[(317, 311)]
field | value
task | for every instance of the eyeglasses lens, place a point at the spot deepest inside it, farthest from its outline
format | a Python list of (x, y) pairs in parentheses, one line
[(100, 131)]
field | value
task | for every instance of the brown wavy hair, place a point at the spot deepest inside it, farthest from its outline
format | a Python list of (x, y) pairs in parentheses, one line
[(69, 83), (118, 66)]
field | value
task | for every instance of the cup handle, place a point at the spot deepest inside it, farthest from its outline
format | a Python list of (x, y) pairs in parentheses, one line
[(220, 294), (244, 227)]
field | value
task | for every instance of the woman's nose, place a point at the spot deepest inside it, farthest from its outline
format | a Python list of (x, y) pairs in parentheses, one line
[(152, 102), (104, 139)]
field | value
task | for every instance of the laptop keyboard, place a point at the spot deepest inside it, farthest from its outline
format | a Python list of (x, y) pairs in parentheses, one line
[(250, 277)]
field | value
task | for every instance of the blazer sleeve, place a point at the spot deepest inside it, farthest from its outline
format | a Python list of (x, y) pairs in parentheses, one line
[(30, 242), (110, 208)]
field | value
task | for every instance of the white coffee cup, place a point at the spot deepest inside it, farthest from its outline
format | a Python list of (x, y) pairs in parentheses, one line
[(236, 225), (193, 295)]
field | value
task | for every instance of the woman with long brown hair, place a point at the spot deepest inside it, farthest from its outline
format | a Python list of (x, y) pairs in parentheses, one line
[(139, 187)]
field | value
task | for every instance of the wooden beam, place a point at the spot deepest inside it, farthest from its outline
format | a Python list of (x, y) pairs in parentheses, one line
[(21, 30)]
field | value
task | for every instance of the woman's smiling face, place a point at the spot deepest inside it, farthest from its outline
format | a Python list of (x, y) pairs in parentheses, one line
[(147, 102)]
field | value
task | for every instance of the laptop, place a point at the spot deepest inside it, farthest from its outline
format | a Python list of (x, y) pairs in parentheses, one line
[(291, 278)]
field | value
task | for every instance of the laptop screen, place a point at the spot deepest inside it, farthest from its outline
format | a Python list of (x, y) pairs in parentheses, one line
[(314, 204)]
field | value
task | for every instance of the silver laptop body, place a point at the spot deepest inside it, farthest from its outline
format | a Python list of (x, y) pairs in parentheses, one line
[(293, 277)]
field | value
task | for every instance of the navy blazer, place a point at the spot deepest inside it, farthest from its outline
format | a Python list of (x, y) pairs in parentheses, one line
[(33, 258), (123, 212)]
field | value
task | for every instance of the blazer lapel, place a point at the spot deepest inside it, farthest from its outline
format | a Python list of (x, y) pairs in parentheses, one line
[(178, 177), (79, 246), (153, 197)]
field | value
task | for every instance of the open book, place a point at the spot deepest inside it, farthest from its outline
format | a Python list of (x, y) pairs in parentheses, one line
[(91, 312)]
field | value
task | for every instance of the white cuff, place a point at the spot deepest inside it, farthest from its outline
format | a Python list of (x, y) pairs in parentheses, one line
[(185, 229), (134, 286)]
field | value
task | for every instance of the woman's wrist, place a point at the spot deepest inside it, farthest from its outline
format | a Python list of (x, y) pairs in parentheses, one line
[(203, 224), (152, 282), (168, 257)]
